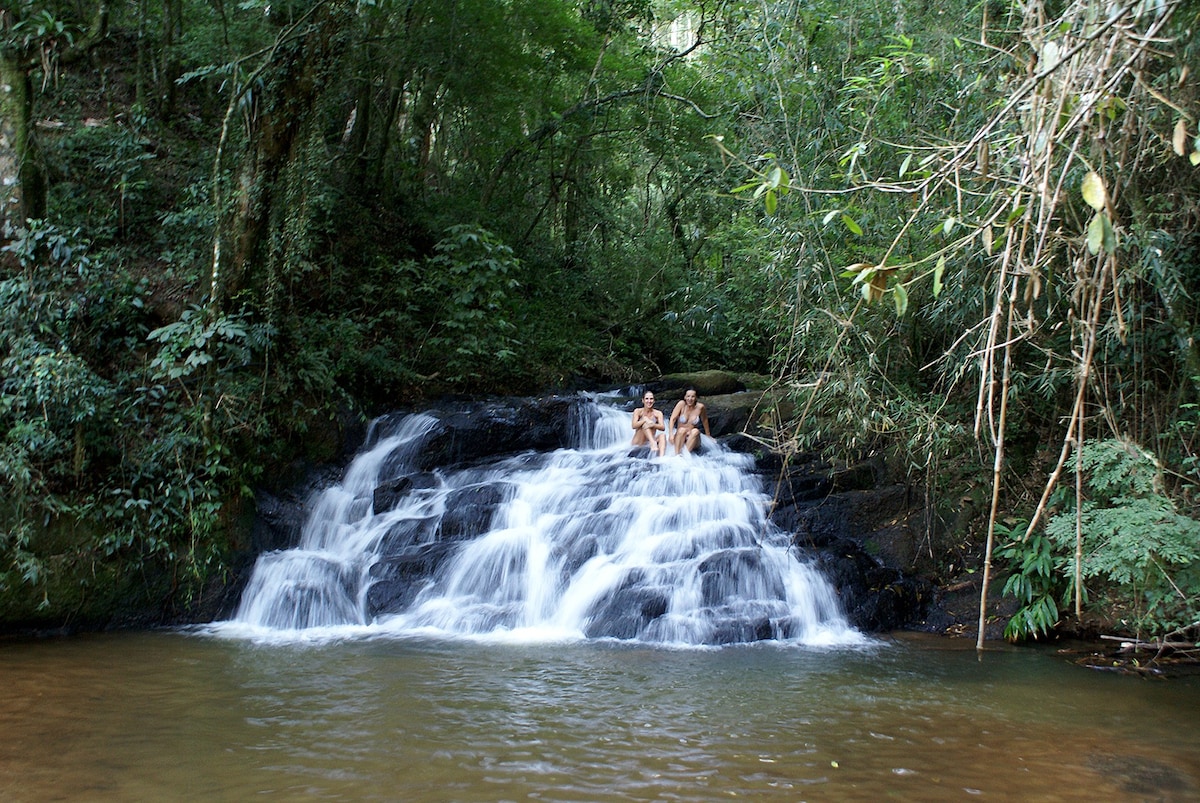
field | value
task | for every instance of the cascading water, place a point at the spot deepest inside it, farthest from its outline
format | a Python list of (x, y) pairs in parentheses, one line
[(590, 541), (322, 581)]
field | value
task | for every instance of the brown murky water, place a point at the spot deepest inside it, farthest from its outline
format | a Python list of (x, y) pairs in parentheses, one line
[(174, 716)]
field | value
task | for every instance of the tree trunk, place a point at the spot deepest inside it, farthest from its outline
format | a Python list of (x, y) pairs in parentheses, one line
[(21, 177), (302, 65), (169, 69)]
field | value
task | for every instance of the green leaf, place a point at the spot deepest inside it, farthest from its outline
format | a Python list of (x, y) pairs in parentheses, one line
[(777, 179), (1093, 191), (900, 296), (770, 202), (1110, 236), (904, 165), (1095, 234), (851, 224), (937, 276), (1100, 235)]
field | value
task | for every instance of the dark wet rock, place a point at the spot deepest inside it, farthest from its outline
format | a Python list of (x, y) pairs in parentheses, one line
[(874, 597), (279, 517), (852, 514), (625, 613), (580, 552), (388, 494), (496, 428), (407, 532), (278, 523), (624, 623), (397, 578), (721, 575), (742, 631), (730, 414), (469, 511), (866, 536)]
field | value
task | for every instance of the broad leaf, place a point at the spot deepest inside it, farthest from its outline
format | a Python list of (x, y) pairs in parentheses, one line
[(1093, 191), (1095, 234), (900, 296), (1101, 235)]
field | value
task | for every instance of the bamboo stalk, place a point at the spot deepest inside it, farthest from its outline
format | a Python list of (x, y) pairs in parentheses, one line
[(997, 467), (1079, 513)]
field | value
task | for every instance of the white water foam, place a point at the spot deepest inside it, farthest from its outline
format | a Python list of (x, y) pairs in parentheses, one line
[(596, 541)]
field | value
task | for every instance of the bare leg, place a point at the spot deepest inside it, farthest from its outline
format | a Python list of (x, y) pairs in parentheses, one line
[(693, 439), (661, 443)]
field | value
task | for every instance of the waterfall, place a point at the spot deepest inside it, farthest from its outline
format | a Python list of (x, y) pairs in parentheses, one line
[(321, 583), (592, 541)]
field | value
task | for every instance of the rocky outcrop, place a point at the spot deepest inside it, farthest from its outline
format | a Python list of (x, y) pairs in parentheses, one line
[(474, 431), (706, 383), (860, 529)]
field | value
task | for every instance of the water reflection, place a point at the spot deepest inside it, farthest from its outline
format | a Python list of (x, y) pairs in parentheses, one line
[(165, 715)]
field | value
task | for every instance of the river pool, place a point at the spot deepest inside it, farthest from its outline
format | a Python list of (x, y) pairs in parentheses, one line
[(191, 716)]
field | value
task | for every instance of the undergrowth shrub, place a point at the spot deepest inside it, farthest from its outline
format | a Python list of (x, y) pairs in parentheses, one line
[(1139, 554)]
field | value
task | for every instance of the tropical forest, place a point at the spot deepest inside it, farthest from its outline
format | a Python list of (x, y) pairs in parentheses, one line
[(965, 238)]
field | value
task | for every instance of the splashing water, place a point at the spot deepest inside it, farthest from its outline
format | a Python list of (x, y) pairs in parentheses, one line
[(595, 541)]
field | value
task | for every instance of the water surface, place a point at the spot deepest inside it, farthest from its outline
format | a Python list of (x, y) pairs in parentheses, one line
[(170, 715)]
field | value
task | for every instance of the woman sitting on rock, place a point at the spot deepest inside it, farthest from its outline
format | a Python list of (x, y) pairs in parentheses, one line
[(648, 426), (686, 419)]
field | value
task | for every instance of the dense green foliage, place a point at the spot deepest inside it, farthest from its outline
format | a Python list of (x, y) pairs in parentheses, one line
[(1135, 542), (946, 231)]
